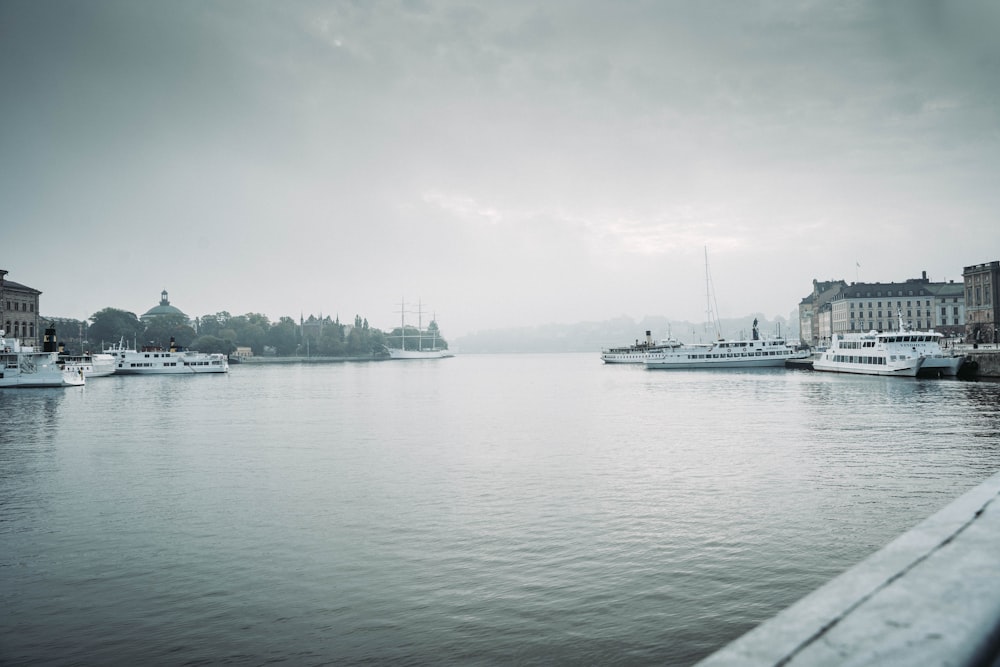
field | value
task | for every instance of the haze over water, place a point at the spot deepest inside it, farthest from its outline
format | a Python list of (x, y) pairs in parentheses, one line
[(482, 509)]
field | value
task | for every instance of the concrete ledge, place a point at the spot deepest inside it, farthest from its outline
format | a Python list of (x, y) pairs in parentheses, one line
[(930, 597)]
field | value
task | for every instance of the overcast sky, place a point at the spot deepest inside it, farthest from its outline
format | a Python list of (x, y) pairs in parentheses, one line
[(506, 163)]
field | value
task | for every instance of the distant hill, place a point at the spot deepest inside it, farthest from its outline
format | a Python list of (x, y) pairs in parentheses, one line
[(593, 336)]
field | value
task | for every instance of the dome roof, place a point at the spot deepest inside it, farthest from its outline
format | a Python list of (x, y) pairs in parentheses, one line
[(163, 309)]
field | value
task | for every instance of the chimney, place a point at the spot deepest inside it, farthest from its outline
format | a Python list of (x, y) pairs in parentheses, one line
[(49, 341)]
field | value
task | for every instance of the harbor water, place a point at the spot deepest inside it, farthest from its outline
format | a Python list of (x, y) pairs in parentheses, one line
[(484, 509)]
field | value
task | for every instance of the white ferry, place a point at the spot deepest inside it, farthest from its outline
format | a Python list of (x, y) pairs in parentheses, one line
[(753, 353), (903, 352), (94, 365), (154, 360), (639, 352), (869, 353), (23, 366)]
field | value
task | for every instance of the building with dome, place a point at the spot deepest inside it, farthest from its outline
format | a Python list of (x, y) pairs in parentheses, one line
[(164, 308)]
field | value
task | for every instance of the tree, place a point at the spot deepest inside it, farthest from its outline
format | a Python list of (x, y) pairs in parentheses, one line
[(283, 336), (111, 325), (162, 328), (211, 344)]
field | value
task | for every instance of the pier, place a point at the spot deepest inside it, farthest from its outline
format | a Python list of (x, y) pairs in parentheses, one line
[(987, 360), (930, 597)]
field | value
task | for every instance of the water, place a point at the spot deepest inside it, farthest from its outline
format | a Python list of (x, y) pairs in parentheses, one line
[(521, 509)]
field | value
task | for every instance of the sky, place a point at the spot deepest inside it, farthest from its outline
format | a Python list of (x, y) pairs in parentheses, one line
[(502, 163)]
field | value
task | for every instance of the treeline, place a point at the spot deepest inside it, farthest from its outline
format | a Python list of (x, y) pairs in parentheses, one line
[(223, 332)]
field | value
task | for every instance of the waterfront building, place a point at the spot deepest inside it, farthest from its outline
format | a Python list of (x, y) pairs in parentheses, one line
[(982, 302), (839, 307), (811, 311), (949, 309), (19, 311)]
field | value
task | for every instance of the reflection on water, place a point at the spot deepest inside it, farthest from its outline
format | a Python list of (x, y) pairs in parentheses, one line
[(523, 508)]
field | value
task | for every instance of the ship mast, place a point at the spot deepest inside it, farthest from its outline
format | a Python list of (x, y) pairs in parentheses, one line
[(713, 318)]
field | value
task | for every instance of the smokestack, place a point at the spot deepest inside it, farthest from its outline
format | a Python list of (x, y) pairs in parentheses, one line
[(649, 337), (62, 348), (173, 345), (49, 341)]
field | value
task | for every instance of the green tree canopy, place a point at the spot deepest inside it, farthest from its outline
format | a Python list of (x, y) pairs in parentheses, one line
[(111, 325), (162, 328)]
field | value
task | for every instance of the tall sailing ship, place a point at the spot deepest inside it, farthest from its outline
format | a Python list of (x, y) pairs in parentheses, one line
[(417, 343)]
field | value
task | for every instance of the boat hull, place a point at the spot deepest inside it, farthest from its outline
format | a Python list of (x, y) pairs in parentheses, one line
[(41, 380), (905, 368), (419, 354), (941, 365), (701, 364)]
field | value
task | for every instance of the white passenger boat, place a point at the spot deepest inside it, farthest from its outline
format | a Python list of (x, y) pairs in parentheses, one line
[(639, 352), (869, 353), (154, 360), (423, 344), (903, 352), (937, 360), (93, 365), (24, 366), (754, 353)]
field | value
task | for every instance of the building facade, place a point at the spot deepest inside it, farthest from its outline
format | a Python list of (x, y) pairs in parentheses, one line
[(917, 303), (982, 302), (19, 316), (814, 328)]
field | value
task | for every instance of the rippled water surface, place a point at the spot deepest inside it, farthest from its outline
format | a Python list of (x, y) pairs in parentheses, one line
[(482, 509)]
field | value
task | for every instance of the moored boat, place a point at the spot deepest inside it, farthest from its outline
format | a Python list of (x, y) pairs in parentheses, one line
[(867, 354), (903, 352), (93, 365), (154, 360), (754, 353), (23, 366), (639, 352)]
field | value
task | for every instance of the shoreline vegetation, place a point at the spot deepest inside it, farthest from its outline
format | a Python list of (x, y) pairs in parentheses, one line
[(324, 339)]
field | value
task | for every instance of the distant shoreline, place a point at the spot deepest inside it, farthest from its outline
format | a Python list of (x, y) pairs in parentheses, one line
[(306, 360)]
